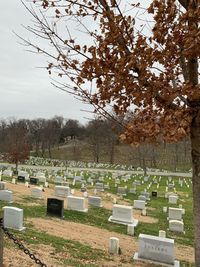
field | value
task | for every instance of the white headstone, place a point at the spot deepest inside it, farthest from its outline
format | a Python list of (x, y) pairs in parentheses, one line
[(173, 199), (36, 192), (130, 229), (62, 191), (6, 195), (13, 218), (156, 249), (176, 226), (76, 203), (175, 214), (114, 245), (162, 233), (123, 215), (165, 209), (139, 204)]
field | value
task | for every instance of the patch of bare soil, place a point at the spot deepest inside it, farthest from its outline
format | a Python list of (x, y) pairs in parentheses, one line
[(13, 257)]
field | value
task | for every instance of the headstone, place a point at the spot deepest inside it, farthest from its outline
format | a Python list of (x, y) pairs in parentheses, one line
[(13, 218), (142, 198), (114, 245), (139, 204), (175, 214), (165, 209), (170, 186), (176, 226), (46, 184), (145, 194), (156, 249), (78, 179), (95, 201), (8, 173), (83, 189), (121, 191), (36, 192), (55, 207), (21, 179), (123, 215), (132, 191), (72, 191), (6, 195), (154, 193), (99, 187), (59, 179), (23, 174), (144, 212), (162, 233), (62, 191), (33, 180), (2, 185), (76, 203), (130, 229), (173, 199)]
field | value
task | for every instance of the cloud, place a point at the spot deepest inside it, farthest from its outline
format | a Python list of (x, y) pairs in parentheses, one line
[(25, 88)]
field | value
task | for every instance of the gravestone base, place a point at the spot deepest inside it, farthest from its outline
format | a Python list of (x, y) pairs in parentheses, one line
[(134, 222), (84, 210), (176, 263)]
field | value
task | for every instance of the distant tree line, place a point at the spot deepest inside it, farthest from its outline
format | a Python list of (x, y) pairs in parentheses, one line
[(99, 137)]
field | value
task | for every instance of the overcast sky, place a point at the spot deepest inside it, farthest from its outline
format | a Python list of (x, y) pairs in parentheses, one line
[(25, 89)]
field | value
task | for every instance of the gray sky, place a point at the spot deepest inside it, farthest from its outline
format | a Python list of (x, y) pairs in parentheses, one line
[(25, 89)]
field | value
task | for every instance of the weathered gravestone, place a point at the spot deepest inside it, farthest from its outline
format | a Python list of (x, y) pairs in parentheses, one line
[(13, 218), (156, 249), (55, 207), (123, 215), (95, 201)]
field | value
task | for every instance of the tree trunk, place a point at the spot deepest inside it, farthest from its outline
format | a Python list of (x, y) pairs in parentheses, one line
[(195, 146), (112, 151), (16, 165)]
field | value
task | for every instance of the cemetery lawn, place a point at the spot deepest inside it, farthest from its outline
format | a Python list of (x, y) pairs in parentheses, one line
[(81, 239)]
